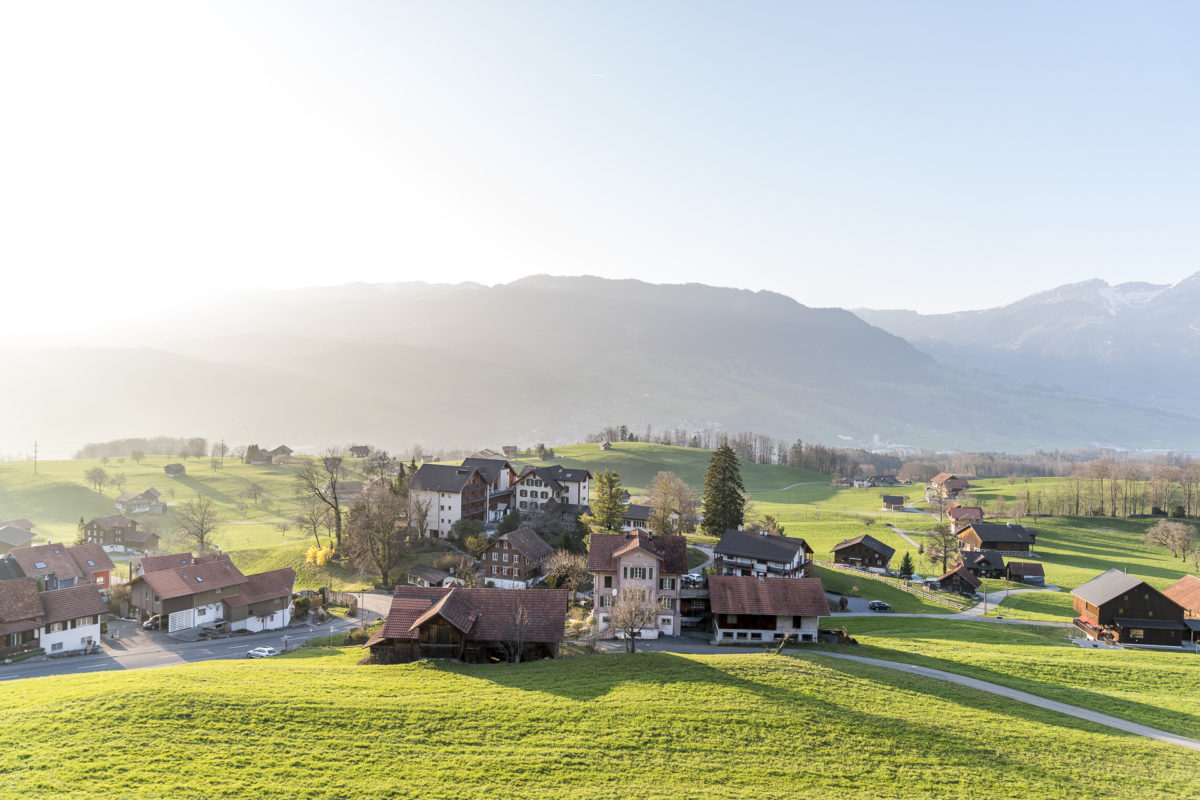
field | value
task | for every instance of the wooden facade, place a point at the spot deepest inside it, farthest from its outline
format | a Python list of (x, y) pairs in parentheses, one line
[(1141, 615), (860, 554)]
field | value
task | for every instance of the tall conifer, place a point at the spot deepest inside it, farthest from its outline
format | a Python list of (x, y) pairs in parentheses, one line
[(724, 493)]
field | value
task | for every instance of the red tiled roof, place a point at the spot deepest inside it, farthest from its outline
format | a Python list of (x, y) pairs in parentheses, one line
[(802, 597), (19, 601), (83, 553), (494, 610), (264, 586), (605, 547), (1186, 592), (181, 582), (454, 608), (176, 560), (54, 558), (958, 512), (83, 600)]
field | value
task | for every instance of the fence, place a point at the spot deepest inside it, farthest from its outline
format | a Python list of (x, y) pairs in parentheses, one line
[(940, 598)]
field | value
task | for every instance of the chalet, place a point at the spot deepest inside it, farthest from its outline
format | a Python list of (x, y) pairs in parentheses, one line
[(71, 618), (948, 486), (983, 563), (1010, 539), (536, 486), (635, 516), (264, 602), (453, 493), (11, 536), (606, 445), (644, 562), (863, 551), (514, 560), (140, 502), (962, 516), (421, 575), (893, 502), (474, 625), (58, 566), (1026, 572), (20, 617), (1119, 607), (500, 477), (885, 480), (958, 580), (109, 532), (188, 596), (283, 451), (175, 470), (360, 451), (762, 555), (748, 609)]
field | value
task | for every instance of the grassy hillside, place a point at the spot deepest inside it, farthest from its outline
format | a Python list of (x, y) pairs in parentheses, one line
[(651, 725)]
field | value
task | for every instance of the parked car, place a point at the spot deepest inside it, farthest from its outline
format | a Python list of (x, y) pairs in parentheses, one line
[(879, 605), (154, 623), (262, 652)]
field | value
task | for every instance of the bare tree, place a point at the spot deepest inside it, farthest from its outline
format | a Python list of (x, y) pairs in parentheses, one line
[(97, 477), (569, 569), (632, 610), (466, 569), (673, 505), (137, 456), (376, 537), (516, 630), (941, 544), (254, 491), (1178, 537), (318, 478), (198, 521), (118, 480)]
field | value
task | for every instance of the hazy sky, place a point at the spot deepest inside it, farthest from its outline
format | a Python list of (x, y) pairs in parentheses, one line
[(936, 156)]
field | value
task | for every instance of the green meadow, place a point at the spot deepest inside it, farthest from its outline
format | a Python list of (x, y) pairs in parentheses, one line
[(315, 725)]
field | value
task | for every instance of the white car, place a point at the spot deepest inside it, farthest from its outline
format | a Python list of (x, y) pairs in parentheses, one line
[(262, 652)]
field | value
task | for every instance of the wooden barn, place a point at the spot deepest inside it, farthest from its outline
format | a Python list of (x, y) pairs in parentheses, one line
[(1119, 607)]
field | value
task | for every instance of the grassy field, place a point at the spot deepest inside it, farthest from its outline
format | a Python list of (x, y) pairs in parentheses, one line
[(864, 586), (1156, 688), (314, 725)]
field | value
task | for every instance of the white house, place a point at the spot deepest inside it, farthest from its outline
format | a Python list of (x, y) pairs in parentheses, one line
[(453, 493), (537, 486), (71, 618), (500, 477), (643, 562), (264, 602), (758, 609)]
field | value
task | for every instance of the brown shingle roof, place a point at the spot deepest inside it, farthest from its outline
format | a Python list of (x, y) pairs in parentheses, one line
[(454, 607), (804, 597), (604, 546), (91, 558), (527, 542), (494, 611), (15, 536), (1026, 569), (112, 522), (958, 512), (53, 558), (22, 523), (263, 586), (961, 571), (1186, 592), (868, 541), (19, 601), (182, 581), (176, 560), (83, 600)]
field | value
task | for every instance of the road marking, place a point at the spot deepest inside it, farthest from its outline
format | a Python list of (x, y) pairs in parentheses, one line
[(170, 655)]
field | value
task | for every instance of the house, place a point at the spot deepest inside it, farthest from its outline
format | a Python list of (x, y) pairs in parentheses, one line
[(885, 480), (109, 532), (453, 493), (606, 445), (264, 602), (11, 536), (948, 486), (1010, 539), (283, 451), (58, 566), (962, 516), (537, 486), (863, 551), (421, 575), (635, 516), (487, 453), (175, 470), (22, 523), (893, 502), (20, 617), (140, 502), (71, 618), (1186, 592), (360, 451), (983, 563), (514, 560), (188, 596), (510, 450), (642, 561), (500, 477), (473, 625), (1026, 572), (762, 555), (749, 609), (958, 580), (1116, 606)]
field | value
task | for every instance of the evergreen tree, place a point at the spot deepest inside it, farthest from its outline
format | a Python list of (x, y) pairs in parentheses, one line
[(607, 508), (906, 565), (509, 522), (724, 493)]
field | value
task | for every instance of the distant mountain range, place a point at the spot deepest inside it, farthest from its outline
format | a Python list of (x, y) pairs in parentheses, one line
[(545, 359), (1136, 343)]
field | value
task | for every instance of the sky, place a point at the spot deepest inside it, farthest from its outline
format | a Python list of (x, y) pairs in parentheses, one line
[(934, 156)]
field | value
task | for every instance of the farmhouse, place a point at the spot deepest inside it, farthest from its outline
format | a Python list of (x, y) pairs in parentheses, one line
[(958, 580), (140, 502), (982, 563), (635, 516), (892, 502), (755, 609), (762, 555), (1119, 607), (962, 516), (948, 486), (453, 493), (1186, 592), (1011, 539), (264, 602), (175, 470), (109, 532), (863, 551), (283, 451), (422, 575), (500, 477), (514, 560), (1026, 572), (644, 562), (12, 536), (474, 625), (360, 451)]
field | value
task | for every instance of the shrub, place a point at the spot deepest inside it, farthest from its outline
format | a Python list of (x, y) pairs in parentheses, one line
[(1178, 512)]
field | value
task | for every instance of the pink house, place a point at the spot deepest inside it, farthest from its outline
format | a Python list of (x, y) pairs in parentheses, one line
[(639, 560)]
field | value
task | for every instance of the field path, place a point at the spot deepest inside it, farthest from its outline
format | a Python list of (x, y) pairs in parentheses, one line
[(793, 486), (903, 534), (1025, 697)]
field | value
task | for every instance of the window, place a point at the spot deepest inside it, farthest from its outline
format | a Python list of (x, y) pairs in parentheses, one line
[(506, 570), (39, 564), (666, 603), (91, 563), (637, 573), (495, 557), (605, 601), (516, 558), (54, 648), (666, 584), (1137, 633), (665, 622), (200, 612), (608, 581), (494, 569), (505, 558), (604, 619)]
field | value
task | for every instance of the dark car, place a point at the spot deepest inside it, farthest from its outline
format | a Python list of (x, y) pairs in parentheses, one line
[(879, 605)]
